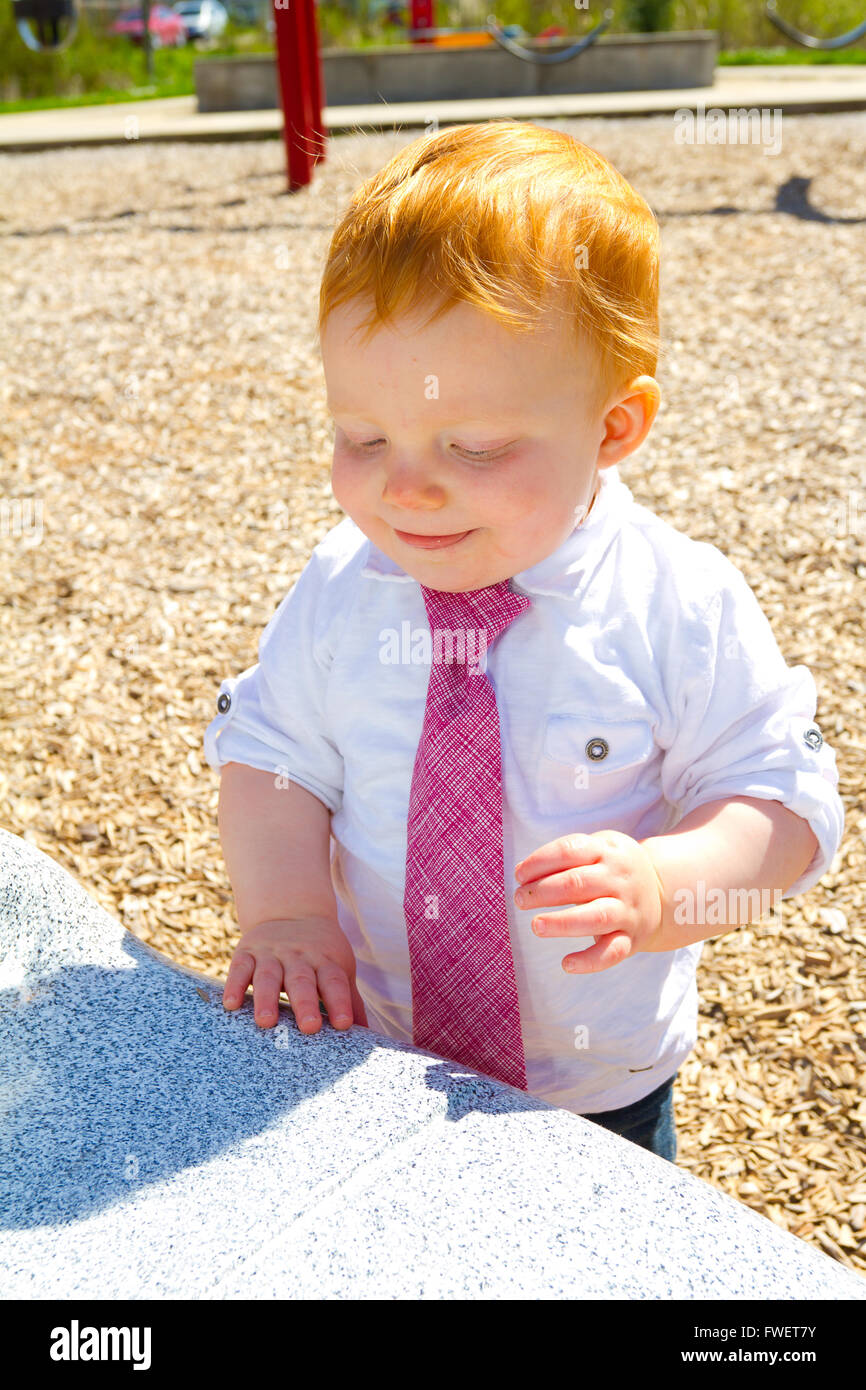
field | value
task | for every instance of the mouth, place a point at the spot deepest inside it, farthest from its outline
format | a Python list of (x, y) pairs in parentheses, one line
[(431, 542)]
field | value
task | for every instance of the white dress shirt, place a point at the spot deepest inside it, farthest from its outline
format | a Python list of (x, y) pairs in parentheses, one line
[(638, 637)]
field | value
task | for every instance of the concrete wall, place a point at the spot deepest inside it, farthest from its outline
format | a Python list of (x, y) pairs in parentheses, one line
[(629, 62)]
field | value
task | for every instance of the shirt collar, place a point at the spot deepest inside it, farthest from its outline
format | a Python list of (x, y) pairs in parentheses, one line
[(562, 572)]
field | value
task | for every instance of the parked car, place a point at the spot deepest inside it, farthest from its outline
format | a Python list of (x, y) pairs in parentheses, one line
[(167, 30), (202, 19)]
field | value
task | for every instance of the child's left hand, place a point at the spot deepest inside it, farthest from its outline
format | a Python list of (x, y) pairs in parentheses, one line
[(616, 883)]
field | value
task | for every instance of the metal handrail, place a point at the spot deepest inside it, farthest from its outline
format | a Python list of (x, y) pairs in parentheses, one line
[(808, 40), (518, 51)]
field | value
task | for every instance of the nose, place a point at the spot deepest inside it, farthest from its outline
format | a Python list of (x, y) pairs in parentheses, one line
[(410, 487)]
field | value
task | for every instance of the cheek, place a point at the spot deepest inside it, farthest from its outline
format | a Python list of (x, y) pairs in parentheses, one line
[(531, 519), (518, 498), (503, 494), (345, 482)]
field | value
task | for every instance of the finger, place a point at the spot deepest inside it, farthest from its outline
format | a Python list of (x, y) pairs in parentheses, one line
[(267, 983), (360, 1013), (303, 994), (597, 918), (240, 973), (611, 950), (564, 853), (575, 885), (336, 995)]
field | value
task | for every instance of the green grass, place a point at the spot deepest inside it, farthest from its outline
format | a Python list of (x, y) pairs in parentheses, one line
[(180, 88), (791, 55), (97, 69), (174, 76)]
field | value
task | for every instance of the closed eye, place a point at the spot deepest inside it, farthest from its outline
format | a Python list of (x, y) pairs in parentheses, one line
[(471, 453)]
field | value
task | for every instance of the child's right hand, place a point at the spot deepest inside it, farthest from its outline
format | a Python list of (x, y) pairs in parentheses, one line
[(309, 958)]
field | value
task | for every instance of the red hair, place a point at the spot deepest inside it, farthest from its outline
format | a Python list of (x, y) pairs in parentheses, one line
[(515, 219)]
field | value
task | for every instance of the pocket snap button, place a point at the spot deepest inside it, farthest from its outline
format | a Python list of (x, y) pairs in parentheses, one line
[(224, 702), (597, 748), (813, 737)]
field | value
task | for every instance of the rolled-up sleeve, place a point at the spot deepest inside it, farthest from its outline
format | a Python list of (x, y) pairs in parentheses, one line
[(746, 724), (273, 715)]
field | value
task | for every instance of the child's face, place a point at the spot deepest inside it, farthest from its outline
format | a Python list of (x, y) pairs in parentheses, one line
[(421, 398)]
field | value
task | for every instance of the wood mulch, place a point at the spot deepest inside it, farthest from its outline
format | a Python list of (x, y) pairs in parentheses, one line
[(163, 403)]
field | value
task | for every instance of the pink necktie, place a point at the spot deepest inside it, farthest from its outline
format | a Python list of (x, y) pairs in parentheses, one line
[(464, 992)]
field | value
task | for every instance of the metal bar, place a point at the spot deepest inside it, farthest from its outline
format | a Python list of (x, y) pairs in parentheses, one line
[(518, 51), (808, 40)]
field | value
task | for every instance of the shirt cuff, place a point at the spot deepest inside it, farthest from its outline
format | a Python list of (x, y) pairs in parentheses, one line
[(810, 795), (227, 739)]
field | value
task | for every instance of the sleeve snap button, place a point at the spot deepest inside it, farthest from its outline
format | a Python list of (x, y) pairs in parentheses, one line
[(813, 737), (224, 702)]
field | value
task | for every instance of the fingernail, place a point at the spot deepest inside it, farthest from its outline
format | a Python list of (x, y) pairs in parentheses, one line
[(520, 897)]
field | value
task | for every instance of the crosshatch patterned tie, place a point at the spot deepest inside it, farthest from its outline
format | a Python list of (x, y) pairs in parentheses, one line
[(464, 991)]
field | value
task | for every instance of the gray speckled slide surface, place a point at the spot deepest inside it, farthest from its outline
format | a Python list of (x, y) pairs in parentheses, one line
[(155, 1146)]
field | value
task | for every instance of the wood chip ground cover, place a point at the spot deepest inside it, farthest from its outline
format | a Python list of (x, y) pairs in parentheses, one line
[(163, 412)]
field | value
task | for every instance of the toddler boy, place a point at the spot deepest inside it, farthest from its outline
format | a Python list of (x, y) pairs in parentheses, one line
[(649, 773)]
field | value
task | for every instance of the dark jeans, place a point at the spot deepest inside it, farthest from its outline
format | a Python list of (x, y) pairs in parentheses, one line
[(648, 1122)]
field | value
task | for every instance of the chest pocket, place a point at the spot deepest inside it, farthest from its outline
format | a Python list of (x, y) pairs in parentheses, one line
[(588, 763)]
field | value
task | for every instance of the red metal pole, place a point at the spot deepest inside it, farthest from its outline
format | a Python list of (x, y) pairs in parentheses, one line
[(422, 17), (301, 88)]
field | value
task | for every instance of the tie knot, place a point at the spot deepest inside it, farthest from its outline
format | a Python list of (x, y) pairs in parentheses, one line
[(467, 615)]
